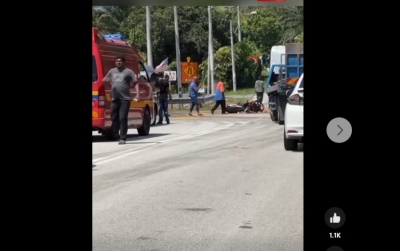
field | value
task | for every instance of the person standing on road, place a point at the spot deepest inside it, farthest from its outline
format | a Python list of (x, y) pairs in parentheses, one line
[(120, 78), (163, 97), (219, 97), (193, 94), (259, 89)]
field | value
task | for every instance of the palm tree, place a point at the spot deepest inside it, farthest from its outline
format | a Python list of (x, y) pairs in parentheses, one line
[(110, 19)]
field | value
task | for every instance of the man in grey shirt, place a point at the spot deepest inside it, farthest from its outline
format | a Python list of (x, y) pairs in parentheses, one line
[(120, 78), (259, 89)]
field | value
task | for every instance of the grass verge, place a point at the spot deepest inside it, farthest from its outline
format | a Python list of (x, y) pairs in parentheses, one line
[(246, 91)]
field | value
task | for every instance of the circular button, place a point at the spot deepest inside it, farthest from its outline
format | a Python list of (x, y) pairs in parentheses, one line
[(335, 217), (335, 248), (339, 130)]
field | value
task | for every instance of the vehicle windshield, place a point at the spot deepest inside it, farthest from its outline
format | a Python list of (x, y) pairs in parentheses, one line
[(94, 69)]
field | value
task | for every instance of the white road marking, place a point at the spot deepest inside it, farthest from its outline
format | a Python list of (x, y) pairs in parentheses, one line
[(129, 152)]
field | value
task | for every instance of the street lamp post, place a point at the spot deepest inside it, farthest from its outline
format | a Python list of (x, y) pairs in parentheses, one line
[(208, 75), (178, 53), (211, 50), (148, 36), (239, 29), (232, 51)]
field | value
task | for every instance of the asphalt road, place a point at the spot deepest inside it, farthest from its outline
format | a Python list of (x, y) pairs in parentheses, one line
[(214, 183)]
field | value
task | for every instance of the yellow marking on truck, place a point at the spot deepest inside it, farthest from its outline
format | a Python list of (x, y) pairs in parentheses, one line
[(292, 80)]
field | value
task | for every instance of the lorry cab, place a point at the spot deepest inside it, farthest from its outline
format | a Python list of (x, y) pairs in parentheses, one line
[(277, 57), (286, 67), (105, 48)]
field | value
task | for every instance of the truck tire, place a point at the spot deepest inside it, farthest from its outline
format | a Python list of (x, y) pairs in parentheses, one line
[(281, 118), (289, 144), (144, 130), (273, 115), (155, 114)]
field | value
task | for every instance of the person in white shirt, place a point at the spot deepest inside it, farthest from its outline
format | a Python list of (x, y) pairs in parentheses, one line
[(259, 89)]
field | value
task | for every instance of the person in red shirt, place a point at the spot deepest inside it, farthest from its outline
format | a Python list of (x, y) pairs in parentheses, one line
[(219, 97)]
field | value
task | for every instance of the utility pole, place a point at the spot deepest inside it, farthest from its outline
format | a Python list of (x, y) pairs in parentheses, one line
[(148, 35), (208, 75), (211, 50), (239, 29), (232, 51), (178, 54)]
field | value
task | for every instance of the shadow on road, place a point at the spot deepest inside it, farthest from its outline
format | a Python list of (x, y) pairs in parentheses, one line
[(130, 139), (165, 124)]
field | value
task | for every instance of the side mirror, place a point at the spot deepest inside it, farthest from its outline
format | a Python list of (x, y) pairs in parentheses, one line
[(288, 93)]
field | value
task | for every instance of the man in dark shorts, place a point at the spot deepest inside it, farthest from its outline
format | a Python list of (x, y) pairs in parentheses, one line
[(193, 94), (120, 78), (163, 97)]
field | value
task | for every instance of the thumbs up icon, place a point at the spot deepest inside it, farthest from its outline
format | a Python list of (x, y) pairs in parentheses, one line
[(335, 219)]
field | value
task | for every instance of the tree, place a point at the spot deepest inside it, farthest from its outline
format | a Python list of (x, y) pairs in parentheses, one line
[(263, 28), (268, 27), (291, 20), (111, 19), (246, 70)]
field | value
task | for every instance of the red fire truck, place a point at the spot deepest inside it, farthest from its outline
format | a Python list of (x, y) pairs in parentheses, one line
[(105, 48)]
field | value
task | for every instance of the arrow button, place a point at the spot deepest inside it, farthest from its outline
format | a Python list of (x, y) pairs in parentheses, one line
[(341, 130), (341, 135)]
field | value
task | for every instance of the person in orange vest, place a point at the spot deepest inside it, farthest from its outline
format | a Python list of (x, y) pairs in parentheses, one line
[(219, 98)]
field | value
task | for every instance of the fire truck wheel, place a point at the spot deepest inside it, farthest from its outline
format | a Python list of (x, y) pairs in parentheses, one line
[(155, 114), (144, 130)]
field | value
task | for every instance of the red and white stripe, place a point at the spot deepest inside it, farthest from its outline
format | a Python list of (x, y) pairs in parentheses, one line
[(162, 67)]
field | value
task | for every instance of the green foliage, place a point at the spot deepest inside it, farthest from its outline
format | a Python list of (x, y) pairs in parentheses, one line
[(172, 66), (291, 20), (264, 73), (203, 70), (143, 56), (223, 63), (299, 38), (263, 28)]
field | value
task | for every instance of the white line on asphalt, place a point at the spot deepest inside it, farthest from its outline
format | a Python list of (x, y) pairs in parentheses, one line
[(98, 159), (129, 152), (192, 135), (120, 156)]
